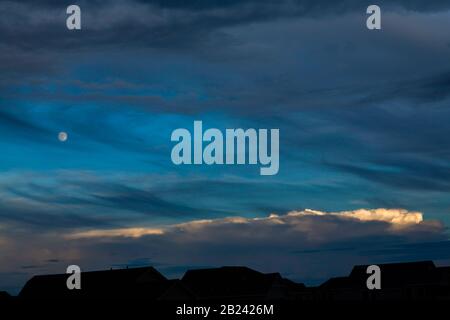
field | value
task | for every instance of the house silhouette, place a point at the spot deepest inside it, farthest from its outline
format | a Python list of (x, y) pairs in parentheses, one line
[(144, 283), (399, 281), (238, 283)]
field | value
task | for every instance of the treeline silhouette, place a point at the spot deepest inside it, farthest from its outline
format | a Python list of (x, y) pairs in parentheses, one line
[(415, 281)]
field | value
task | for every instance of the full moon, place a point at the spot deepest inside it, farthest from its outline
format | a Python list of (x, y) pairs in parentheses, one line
[(62, 136)]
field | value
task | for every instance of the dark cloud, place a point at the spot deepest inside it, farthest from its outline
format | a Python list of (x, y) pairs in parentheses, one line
[(87, 200), (424, 90), (142, 201), (40, 218), (410, 251), (176, 25), (431, 178)]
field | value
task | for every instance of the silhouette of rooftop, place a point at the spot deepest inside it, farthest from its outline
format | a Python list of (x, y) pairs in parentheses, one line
[(236, 282), (420, 280), (119, 283)]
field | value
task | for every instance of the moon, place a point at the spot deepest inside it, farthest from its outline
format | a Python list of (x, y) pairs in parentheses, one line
[(62, 136)]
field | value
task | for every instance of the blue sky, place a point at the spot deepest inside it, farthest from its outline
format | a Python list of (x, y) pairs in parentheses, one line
[(363, 118)]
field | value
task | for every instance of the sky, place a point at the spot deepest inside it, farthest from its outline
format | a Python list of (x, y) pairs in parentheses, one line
[(364, 136)]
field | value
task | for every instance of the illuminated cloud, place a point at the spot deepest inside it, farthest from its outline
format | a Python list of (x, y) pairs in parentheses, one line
[(124, 232), (302, 222), (393, 216)]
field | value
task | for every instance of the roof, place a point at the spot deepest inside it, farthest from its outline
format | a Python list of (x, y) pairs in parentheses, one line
[(230, 282), (398, 274), (392, 275), (109, 283)]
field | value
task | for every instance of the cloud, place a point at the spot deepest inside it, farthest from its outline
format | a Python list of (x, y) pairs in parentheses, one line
[(3, 241), (126, 232), (400, 217), (88, 199), (294, 221)]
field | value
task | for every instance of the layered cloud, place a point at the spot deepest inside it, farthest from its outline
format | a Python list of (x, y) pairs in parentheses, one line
[(126, 232), (295, 221), (397, 217)]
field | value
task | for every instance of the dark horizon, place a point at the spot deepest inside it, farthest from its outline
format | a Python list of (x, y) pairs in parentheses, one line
[(420, 280)]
